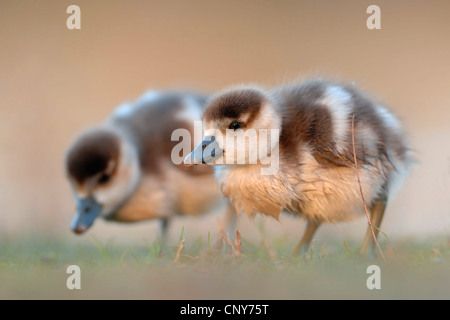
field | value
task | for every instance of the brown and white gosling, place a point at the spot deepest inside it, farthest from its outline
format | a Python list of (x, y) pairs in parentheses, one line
[(311, 124), (123, 171)]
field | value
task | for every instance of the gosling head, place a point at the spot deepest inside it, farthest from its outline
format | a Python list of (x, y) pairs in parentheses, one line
[(241, 127), (103, 171)]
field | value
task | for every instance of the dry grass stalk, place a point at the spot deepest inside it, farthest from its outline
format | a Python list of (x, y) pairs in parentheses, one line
[(322, 251), (179, 249), (226, 237), (360, 189), (191, 257), (221, 230), (237, 244), (219, 243), (228, 241), (347, 247)]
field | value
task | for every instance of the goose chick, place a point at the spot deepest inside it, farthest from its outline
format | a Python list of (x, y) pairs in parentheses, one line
[(311, 160), (123, 171)]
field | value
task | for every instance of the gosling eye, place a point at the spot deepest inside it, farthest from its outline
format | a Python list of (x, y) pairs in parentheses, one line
[(104, 178), (235, 125)]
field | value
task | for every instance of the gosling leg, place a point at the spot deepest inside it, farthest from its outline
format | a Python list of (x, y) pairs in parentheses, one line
[(230, 223), (163, 229), (303, 245), (376, 216)]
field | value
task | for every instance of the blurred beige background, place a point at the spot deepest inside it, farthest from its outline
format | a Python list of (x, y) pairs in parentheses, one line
[(55, 82)]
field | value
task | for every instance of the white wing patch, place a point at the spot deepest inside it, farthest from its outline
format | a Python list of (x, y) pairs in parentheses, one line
[(192, 110), (124, 110), (148, 97), (338, 102), (388, 118)]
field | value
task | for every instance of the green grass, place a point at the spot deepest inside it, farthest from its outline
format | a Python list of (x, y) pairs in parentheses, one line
[(35, 268)]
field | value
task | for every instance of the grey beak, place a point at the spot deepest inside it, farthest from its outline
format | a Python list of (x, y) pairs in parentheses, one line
[(87, 211), (206, 152)]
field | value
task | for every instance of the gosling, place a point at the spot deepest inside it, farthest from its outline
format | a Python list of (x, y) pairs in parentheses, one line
[(313, 125), (122, 170)]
